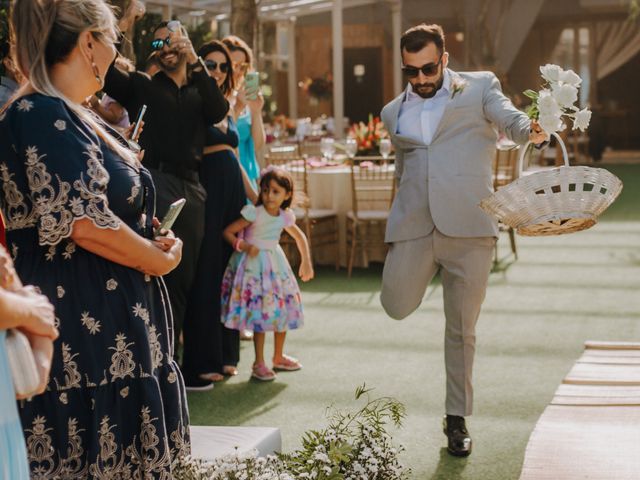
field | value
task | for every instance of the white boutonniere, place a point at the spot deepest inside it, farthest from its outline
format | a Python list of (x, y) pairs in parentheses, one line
[(457, 86)]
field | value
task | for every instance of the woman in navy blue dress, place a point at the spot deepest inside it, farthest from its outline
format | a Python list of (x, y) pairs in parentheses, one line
[(210, 349), (79, 209)]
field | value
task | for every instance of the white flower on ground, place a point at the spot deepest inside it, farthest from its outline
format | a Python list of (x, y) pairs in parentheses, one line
[(570, 77), (321, 457), (582, 119), (551, 72), (565, 95)]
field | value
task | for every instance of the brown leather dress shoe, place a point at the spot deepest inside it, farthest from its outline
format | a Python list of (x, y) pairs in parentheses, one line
[(458, 439)]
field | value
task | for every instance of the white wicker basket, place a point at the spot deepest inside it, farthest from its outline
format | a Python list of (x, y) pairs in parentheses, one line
[(554, 201)]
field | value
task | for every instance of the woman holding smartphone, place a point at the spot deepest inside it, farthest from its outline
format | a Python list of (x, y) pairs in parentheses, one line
[(248, 107), (211, 350), (80, 213)]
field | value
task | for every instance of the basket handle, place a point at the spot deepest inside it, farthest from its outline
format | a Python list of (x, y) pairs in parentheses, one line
[(523, 152)]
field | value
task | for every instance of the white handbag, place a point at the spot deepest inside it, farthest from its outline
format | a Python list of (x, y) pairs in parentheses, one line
[(24, 370)]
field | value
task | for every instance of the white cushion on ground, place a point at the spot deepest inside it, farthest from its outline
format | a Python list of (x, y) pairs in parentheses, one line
[(209, 443)]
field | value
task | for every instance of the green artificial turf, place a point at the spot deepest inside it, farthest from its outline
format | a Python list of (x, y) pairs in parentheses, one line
[(538, 312)]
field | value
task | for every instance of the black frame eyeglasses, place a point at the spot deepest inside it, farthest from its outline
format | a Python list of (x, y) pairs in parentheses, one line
[(213, 65), (428, 69), (158, 43)]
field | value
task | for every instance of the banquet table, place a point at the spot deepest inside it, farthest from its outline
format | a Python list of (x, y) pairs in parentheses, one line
[(330, 188)]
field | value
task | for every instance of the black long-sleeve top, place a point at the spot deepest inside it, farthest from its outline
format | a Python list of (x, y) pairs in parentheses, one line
[(176, 117)]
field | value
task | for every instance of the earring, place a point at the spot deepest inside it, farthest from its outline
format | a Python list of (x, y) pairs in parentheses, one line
[(96, 72)]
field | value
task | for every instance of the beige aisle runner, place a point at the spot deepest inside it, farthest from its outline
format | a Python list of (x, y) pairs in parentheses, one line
[(582, 442), (591, 430)]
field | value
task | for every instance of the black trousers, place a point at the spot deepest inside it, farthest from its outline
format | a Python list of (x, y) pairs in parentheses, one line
[(208, 344), (189, 227)]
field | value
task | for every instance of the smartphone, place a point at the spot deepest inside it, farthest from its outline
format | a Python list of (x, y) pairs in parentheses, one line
[(252, 85), (136, 129), (174, 26), (171, 216)]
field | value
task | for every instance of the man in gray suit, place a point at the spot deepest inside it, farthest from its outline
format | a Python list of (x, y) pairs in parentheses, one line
[(443, 127)]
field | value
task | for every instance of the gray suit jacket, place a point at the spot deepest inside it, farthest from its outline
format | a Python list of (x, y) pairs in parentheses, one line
[(441, 185)]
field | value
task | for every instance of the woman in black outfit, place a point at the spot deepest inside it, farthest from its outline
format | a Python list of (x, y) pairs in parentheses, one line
[(210, 349)]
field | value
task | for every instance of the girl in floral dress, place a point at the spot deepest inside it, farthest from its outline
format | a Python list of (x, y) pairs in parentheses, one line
[(259, 290)]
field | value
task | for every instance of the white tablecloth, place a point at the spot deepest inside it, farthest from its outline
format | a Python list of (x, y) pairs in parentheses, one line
[(330, 188)]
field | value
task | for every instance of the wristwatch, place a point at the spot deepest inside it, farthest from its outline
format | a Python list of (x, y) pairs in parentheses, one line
[(195, 66)]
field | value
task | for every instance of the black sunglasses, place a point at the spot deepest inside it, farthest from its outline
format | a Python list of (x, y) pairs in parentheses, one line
[(212, 65), (158, 43), (428, 70)]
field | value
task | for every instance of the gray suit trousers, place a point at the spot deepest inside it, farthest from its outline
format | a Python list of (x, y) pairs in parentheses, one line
[(464, 264)]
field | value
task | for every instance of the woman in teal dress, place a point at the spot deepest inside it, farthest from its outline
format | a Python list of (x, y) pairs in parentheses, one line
[(247, 111), (34, 315)]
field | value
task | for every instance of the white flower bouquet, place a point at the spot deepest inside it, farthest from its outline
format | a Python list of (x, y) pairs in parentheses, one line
[(355, 446), (557, 99), (559, 200)]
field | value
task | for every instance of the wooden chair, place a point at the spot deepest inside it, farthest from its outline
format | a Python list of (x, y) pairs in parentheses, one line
[(504, 172), (372, 191), (319, 225), (578, 144), (311, 147)]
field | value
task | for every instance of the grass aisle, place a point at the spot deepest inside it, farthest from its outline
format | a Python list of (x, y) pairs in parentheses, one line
[(538, 312)]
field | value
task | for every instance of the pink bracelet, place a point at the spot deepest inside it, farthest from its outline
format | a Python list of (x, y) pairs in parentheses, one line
[(237, 244)]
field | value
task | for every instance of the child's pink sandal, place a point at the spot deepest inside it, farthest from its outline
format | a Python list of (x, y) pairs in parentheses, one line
[(263, 373), (287, 364)]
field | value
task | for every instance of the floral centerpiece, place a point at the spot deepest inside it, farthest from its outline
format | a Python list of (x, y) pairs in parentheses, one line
[(286, 124), (319, 88), (557, 100), (355, 446), (368, 135)]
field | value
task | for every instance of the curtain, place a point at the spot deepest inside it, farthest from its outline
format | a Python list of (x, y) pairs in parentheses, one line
[(616, 43)]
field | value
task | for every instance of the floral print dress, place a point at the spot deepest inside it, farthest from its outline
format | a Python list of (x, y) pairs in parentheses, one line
[(261, 293), (115, 404)]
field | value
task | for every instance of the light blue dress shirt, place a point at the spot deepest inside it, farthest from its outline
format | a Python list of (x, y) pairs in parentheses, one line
[(419, 117), (8, 87)]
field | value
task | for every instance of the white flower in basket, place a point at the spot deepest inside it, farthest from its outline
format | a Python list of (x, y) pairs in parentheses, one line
[(558, 200)]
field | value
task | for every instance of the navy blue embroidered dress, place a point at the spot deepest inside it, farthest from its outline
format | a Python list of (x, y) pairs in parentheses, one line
[(209, 345), (115, 404)]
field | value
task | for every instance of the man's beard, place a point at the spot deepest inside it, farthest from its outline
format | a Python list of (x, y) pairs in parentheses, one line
[(174, 65), (427, 89)]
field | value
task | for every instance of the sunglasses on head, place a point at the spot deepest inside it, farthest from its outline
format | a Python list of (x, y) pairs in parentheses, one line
[(428, 70), (212, 65), (158, 43)]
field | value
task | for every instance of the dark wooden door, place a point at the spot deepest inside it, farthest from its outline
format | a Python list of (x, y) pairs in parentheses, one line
[(363, 83)]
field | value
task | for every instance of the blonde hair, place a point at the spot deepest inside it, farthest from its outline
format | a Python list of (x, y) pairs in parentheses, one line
[(45, 32), (236, 44)]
